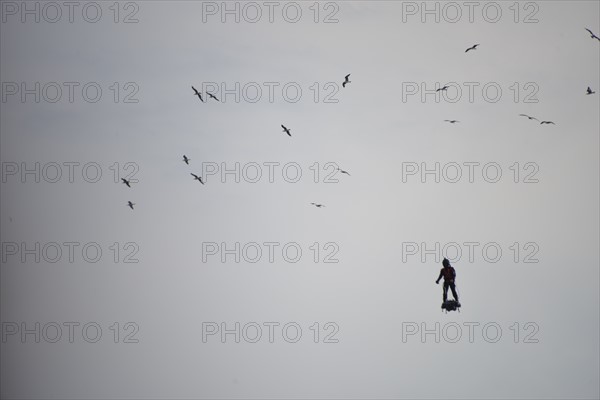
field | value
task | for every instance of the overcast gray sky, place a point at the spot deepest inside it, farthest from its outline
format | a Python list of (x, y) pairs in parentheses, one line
[(387, 225)]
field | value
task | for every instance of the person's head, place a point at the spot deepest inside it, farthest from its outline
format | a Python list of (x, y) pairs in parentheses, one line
[(446, 263)]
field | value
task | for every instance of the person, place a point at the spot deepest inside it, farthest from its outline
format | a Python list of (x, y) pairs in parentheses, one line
[(449, 275)]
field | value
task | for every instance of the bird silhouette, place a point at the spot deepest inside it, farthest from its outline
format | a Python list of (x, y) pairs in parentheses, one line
[(197, 93), (318, 205), (547, 122), (443, 88), (592, 33), (212, 96), (346, 80), (472, 47), (125, 181), (186, 160), (130, 204), (343, 172), (452, 121), (589, 91), (525, 115), (286, 130), (198, 178)]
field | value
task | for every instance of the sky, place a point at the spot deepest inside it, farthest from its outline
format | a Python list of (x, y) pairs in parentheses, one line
[(240, 287)]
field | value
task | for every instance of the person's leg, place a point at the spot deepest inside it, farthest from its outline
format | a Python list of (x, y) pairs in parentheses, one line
[(445, 291), (453, 287)]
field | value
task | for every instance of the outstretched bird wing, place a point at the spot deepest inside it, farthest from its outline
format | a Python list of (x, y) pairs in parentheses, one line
[(592, 33), (525, 115)]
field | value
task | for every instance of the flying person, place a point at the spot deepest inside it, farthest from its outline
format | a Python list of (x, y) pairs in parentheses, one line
[(449, 275)]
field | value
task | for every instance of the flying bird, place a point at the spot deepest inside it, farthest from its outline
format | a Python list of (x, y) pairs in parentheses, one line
[(130, 204), (212, 96), (186, 160), (592, 33), (197, 93), (589, 91), (452, 121), (343, 172), (318, 205), (286, 130), (125, 181), (346, 81), (443, 88), (472, 47), (525, 115), (547, 122), (197, 178)]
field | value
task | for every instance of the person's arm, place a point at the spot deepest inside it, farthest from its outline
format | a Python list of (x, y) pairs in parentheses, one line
[(440, 277), (453, 274)]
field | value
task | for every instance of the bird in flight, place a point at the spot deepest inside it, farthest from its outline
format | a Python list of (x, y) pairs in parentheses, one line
[(547, 122), (198, 178), (452, 121), (130, 204), (443, 88), (589, 91), (592, 33), (472, 47), (125, 181), (186, 160), (286, 130), (525, 115), (346, 80), (212, 96), (343, 172), (197, 93), (318, 205)]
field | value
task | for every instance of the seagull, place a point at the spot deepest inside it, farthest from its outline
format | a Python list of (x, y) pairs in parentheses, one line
[(186, 160), (198, 178), (547, 122), (125, 181), (346, 80), (592, 33), (130, 204), (197, 93), (318, 205), (525, 115), (343, 172), (452, 121), (286, 130), (212, 96), (472, 47), (589, 91), (443, 88)]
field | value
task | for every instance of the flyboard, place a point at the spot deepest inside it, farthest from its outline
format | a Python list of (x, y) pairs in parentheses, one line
[(451, 305)]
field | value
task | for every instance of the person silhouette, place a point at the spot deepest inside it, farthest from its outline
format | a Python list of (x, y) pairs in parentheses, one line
[(449, 275)]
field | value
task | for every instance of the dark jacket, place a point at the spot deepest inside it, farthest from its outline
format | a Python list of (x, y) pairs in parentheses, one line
[(448, 273)]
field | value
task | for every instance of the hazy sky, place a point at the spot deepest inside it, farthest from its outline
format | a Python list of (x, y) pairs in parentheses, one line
[(386, 224)]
